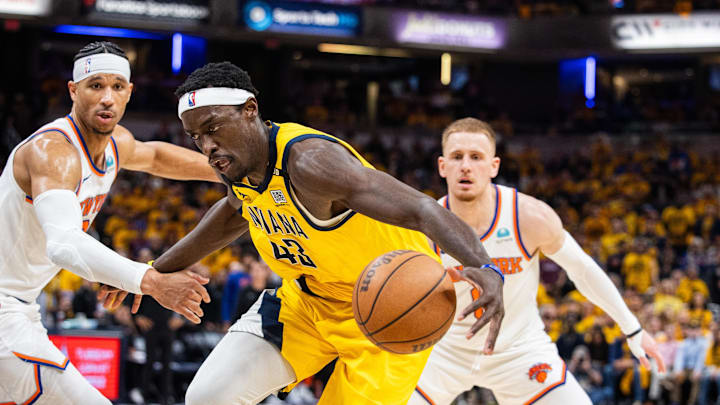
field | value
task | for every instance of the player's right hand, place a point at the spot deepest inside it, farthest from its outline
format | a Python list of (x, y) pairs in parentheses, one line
[(490, 286), (181, 291)]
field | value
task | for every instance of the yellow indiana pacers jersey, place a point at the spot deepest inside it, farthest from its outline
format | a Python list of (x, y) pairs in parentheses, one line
[(326, 255)]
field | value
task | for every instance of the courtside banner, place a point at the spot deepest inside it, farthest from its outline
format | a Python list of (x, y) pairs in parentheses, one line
[(456, 30), (97, 359), (169, 10), (666, 31), (25, 7), (300, 18)]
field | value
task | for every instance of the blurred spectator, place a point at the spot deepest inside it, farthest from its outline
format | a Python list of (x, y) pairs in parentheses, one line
[(689, 363), (248, 294)]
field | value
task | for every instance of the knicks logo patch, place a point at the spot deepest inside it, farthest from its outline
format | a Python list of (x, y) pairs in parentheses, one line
[(539, 372)]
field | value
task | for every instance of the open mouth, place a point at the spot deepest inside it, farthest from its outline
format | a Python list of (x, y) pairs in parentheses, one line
[(105, 116), (220, 163), (465, 181)]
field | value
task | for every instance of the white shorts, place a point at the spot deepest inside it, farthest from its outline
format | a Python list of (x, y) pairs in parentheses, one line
[(521, 375), (32, 369)]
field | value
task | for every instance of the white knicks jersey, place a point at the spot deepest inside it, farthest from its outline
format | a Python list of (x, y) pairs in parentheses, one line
[(522, 323), (24, 266)]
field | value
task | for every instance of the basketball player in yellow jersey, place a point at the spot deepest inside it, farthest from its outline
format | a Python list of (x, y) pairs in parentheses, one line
[(318, 213)]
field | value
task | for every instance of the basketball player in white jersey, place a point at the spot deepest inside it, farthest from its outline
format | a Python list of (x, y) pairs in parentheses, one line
[(51, 189), (525, 367)]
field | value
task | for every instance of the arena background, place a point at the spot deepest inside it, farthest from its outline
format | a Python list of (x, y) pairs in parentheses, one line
[(608, 110)]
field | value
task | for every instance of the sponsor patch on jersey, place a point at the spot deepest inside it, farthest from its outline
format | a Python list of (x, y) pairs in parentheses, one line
[(278, 197), (110, 161), (539, 372), (503, 233)]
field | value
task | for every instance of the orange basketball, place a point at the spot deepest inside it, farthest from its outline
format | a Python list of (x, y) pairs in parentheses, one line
[(404, 301)]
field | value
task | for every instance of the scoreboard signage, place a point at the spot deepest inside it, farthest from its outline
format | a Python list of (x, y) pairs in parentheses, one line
[(174, 10), (301, 18), (666, 31), (428, 28), (25, 7)]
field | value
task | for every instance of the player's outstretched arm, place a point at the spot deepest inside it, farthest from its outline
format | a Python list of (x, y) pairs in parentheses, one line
[(49, 168), (162, 159), (325, 170), (221, 225), (542, 229)]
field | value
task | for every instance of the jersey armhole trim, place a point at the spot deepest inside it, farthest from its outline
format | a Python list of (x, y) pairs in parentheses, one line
[(516, 223), (116, 153), (288, 186)]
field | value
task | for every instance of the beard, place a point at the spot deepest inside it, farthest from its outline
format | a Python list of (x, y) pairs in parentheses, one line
[(101, 132)]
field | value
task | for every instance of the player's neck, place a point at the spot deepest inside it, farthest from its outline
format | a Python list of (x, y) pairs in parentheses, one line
[(478, 213), (96, 143), (263, 152)]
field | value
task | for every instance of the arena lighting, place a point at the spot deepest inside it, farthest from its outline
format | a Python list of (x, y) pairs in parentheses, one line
[(177, 40), (106, 32), (362, 50), (445, 68), (590, 81)]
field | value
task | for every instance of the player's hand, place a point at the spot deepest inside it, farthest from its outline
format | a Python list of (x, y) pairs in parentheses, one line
[(490, 286), (113, 297), (181, 291), (643, 346)]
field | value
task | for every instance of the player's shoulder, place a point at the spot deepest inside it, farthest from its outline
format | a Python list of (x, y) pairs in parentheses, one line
[(536, 215), (122, 135)]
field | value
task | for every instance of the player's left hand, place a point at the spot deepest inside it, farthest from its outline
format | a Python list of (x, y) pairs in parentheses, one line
[(490, 286), (112, 298), (643, 346)]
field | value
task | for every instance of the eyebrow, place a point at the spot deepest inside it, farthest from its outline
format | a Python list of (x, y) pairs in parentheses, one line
[(207, 121)]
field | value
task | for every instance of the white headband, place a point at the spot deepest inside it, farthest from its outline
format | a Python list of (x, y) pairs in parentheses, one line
[(212, 96), (101, 63)]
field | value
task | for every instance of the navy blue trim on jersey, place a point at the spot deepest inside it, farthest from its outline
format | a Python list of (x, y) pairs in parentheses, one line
[(270, 315), (117, 154), (495, 215), (272, 157), (517, 219), (50, 130), (84, 145), (304, 287), (286, 155)]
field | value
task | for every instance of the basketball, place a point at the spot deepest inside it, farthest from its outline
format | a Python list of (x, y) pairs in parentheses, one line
[(404, 301)]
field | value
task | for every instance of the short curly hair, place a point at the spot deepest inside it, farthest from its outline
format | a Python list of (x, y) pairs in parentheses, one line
[(94, 48), (223, 74)]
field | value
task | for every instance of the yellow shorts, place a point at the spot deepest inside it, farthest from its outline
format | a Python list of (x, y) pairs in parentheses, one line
[(312, 332)]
